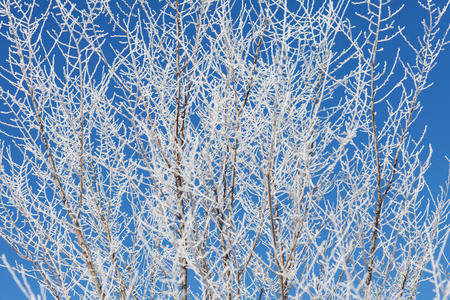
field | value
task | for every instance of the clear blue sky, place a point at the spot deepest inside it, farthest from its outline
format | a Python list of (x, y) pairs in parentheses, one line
[(435, 115)]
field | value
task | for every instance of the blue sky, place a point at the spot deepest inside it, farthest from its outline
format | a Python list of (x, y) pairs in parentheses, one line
[(435, 116)]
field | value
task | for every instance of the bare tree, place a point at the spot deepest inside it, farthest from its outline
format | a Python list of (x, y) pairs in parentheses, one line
[(219, 150)]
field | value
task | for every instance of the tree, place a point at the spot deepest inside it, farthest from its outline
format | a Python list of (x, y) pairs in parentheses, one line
[(219, 149)]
